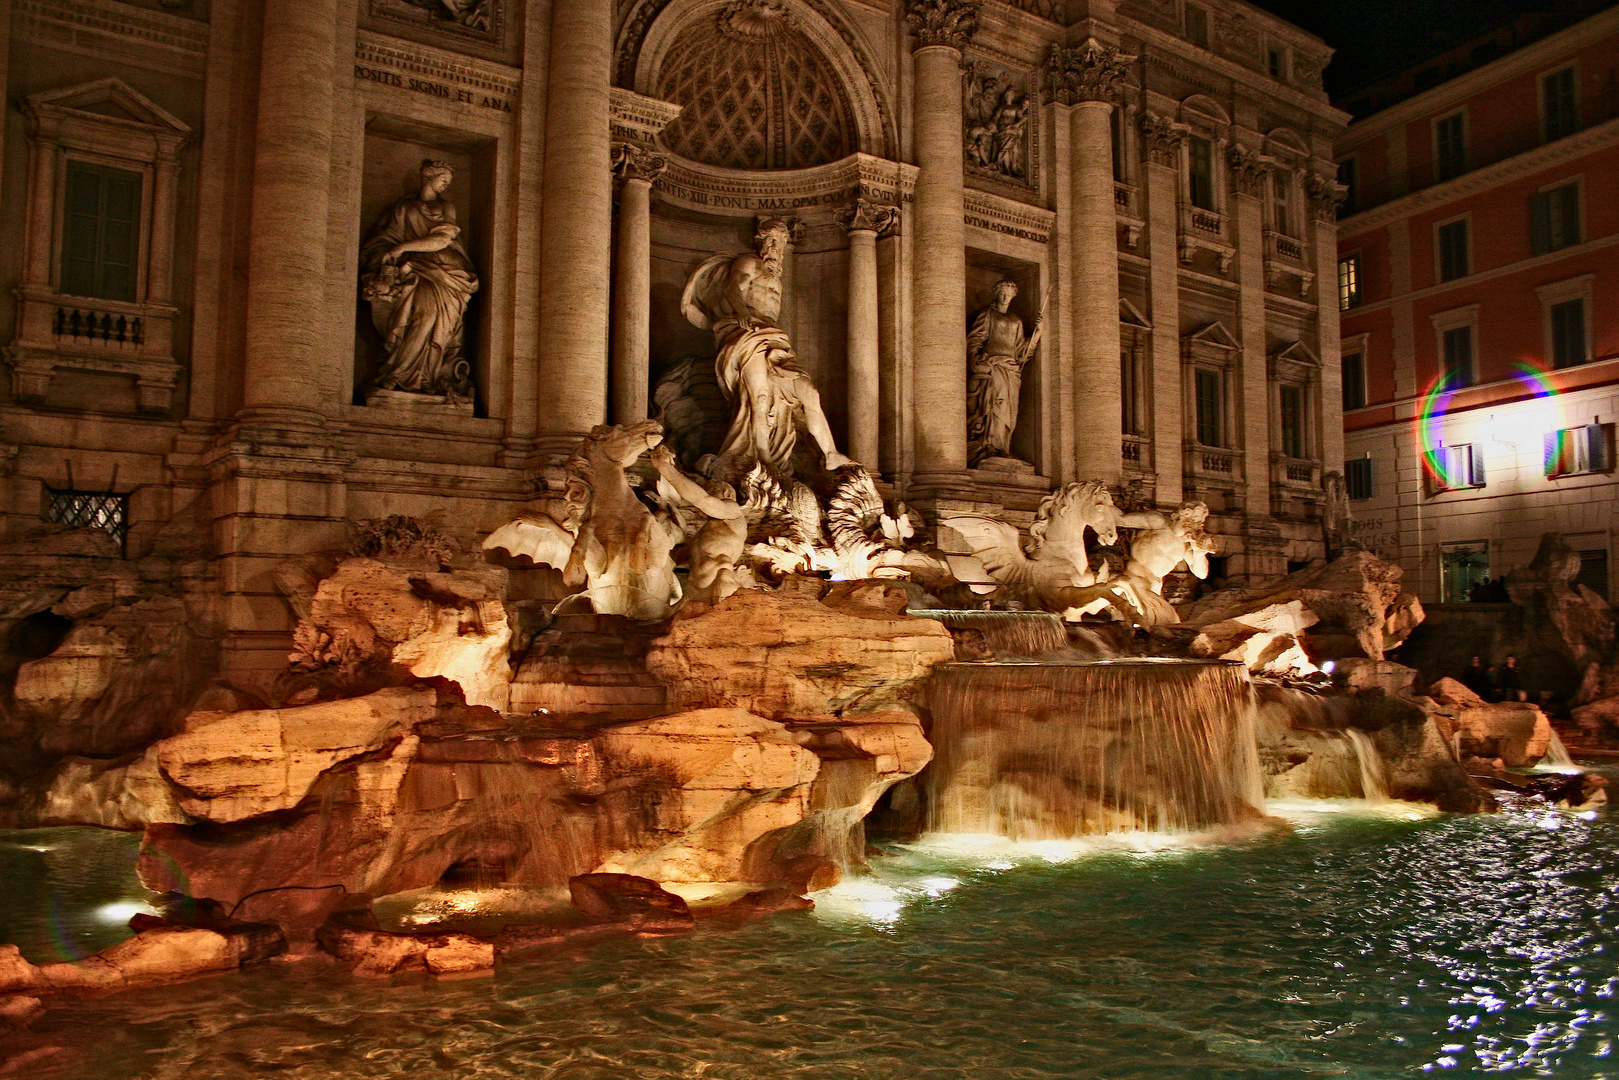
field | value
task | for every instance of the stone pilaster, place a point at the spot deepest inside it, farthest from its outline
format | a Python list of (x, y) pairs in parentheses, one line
[(939, 403), (576, 224), (1089, 78), (286, 341), (637, 168), (1251, 383), (865, 222), (1325, 194), (1162, 142)]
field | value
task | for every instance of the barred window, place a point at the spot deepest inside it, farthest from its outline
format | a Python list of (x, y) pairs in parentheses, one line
[(90, 510)]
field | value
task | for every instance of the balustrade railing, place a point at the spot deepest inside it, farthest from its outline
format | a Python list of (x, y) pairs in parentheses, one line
[(86, 324)]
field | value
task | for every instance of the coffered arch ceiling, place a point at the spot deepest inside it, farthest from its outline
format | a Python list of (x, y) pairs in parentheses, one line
[(766, 84)]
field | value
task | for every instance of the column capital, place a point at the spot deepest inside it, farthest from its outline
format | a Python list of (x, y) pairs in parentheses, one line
[(1088, 72), (942, 22), (1325, 195), (864, 215), (1162, 139), (632, 162), (1247, 171)]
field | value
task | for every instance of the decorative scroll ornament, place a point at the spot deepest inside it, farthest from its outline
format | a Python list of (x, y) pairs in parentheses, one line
[(942, 22), (868, 216), (1162, 139), (633, 162), (1089, 72), (1247, 171), (1326, 195)]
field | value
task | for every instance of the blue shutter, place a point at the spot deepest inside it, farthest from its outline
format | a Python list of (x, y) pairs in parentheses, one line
[(1552, 442)]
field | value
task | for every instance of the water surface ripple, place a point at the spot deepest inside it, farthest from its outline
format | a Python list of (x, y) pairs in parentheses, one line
[(1363, 945)]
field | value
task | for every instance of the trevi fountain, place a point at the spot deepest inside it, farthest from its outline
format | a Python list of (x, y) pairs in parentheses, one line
[(921, 714)]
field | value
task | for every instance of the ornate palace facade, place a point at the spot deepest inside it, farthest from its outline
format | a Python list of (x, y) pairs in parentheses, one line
[(283, 266)]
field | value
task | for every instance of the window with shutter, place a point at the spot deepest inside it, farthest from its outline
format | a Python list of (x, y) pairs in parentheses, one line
[(1450, 146), (1459, 357), (1554, 218), (1579, 450), (101, 222), (1453, 250), (1568, 334), (1454, 468), (1560, 112)]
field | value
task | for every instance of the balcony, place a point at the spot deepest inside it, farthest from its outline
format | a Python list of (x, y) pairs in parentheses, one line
[(1127, 204), (1206, 230), (1287, 256), (1137, 454), (109, 337), (1296, 475)]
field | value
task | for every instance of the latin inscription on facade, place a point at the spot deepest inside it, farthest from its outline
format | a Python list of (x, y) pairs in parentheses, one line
[(434, 74)]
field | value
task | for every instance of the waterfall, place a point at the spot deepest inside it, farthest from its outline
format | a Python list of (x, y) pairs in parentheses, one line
[(1008, 633), (1374, 778), (1557, 755), (1051, 751)]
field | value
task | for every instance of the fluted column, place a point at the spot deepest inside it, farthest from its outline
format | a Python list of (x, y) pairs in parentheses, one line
[(1090, 79), (286, 342), (865, 221), (638, 168), (939, 403), (576, 224), (1163, 145)]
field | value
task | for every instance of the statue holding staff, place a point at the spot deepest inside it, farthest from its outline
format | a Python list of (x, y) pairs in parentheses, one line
[(997, 351)]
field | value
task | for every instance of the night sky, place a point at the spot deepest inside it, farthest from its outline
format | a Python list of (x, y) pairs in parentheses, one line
[(1377, 37)]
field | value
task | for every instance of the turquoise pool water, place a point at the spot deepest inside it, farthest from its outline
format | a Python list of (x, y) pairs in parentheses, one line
[(1368, 945)]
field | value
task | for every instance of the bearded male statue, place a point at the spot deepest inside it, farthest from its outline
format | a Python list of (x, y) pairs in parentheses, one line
[(739, 298)]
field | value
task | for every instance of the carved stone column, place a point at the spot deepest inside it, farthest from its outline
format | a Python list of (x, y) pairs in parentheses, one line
[(287, 343), (576, 215), (865, 221), (1162, 142), (638, 167), (1090, 79), (1252, 384), (939, 403)]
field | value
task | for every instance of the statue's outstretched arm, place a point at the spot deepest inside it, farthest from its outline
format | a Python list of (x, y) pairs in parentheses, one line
[(663, 459)]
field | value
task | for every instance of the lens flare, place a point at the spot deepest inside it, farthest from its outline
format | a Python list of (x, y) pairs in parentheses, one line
[(1436, 405)]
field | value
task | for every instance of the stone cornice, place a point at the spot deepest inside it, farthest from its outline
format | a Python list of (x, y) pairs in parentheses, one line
[(942, 22), (702, 187), (1543, 157), (426, 69), (1008, 217), (1454, 91), (131, 35), (640, 119)]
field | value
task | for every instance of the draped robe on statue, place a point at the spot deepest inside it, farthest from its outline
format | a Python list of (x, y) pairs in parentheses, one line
[(996, 351), (422, 324)]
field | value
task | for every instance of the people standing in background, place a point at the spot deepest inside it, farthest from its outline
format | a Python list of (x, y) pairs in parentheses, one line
[(1476, 677), (1509, 681)]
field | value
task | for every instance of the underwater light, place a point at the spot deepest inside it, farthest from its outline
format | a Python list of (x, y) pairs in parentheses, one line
[(1329, 666), (123, 910)]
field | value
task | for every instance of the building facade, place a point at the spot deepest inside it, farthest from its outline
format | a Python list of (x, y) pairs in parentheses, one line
[(214, 199), (1477, 276)]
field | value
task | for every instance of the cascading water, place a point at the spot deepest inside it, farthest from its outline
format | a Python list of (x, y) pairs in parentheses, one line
[(1007, 633), (1374, 778), (1310, 750), (1557, 755), (1052, 751)]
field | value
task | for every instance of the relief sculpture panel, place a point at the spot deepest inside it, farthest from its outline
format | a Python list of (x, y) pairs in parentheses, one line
[(480, 20), (996, 122)]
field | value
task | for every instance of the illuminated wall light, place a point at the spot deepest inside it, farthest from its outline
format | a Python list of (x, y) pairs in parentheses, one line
[(1440, 467)]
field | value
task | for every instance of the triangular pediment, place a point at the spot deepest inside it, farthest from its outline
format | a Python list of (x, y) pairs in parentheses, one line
[(1299, 353), (1215, 334), (1130, 315), (111, 99)]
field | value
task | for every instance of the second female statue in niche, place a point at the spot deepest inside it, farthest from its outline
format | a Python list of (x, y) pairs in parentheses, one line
[(416, 275)]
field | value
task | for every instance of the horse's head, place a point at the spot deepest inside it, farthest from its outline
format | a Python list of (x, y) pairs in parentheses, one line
[(623, 444), (1065, 515)]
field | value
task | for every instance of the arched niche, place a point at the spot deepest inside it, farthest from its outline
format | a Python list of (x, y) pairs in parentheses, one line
[(652, 37)]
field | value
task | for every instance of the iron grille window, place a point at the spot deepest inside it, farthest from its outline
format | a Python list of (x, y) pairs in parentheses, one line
[(1450, 138), (90, 510), (1453, 253), (1560, 109), (1358, 478), (1554, 218), (1354, 380), (101, 224)]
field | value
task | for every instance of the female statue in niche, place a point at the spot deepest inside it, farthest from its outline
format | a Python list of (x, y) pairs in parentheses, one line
[(418, 279)]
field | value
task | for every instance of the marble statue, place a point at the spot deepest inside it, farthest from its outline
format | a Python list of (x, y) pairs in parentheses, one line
[(739, 299), (996, 121), (997, 351), (417, 277), (717, 543), (1165, 542), (620, 551), (1055, 573)]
